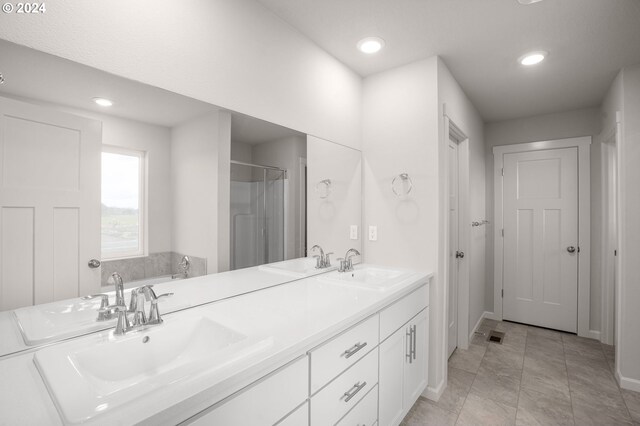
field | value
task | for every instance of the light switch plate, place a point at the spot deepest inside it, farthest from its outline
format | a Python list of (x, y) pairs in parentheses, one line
[(373, 233), (353, 232)]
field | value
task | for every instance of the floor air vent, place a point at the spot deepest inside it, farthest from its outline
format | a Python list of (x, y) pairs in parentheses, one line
[(495, 336)]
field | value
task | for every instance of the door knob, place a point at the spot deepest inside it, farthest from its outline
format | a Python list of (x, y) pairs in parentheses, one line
[(94, 263), (459, 254), (571, 249)]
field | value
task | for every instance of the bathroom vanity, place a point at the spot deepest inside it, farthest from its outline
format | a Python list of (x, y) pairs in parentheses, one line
[(336, 348)]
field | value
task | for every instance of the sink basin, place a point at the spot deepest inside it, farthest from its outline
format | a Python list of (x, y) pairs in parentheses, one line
[(298, 268), (89, 376), (368, 278), (59, 320)]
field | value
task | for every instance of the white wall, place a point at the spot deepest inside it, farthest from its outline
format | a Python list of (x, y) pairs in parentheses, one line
[(628, 353), (400, 135), (329, 219), (583, 122), (195, 152), (462, 112), (156, 142), (285, 154), (403, 132), (232, 53)]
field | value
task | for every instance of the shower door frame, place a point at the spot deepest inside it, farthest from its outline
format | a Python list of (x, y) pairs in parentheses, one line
[(264, 201)]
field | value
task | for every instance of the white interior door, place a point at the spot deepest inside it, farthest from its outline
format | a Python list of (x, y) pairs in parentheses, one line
[(50, 204), (541, 238), (453, 246)]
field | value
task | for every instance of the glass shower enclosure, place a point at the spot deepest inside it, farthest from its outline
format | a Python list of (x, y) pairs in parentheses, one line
[(258, 198)]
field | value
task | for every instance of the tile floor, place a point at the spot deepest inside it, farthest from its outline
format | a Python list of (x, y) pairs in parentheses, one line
[(536, 377)]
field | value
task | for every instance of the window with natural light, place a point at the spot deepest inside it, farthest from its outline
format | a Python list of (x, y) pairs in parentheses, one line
[(122, 203)]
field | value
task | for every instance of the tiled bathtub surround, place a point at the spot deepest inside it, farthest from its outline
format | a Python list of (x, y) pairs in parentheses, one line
[(154, 265), (536, 377)]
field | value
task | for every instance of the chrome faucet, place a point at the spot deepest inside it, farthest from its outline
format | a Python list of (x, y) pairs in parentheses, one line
[(184, 264), (116, 280), (136, 307), (346, 263), (322, 261)]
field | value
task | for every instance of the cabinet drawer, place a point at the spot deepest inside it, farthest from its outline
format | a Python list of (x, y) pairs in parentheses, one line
[(258, 404), (365, 413), (341, 395), (300, 417), (341, 352), (394, 316)]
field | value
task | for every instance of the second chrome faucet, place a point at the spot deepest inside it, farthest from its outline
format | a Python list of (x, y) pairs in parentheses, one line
[(136, 306)]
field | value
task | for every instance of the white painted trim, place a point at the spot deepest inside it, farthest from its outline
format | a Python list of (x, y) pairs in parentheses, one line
[(475, 327), (622, 257), (584, 221), (302, 205), (627, 383), (434, 394), (464, 220), (491, 316)]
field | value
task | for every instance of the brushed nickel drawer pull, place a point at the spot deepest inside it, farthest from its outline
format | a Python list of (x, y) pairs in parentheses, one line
[(409, 352), (413, 346), (352, 351), (353, 391)]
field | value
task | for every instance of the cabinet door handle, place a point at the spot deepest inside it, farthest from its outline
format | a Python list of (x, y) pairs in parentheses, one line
[(353, 391), (410, 341), (352, 351), (413, 345)]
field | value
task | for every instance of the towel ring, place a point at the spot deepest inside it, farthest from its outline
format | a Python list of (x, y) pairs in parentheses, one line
[(323, 188), (405, 185)]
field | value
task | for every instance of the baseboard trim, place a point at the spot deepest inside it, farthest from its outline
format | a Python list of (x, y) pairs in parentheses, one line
[(475, 327), (434, 394), (627, 383), (593, 334), (491, 316)]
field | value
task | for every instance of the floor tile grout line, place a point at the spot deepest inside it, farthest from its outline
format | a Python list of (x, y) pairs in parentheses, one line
[(566, 367), (624, 401), (526, 339)]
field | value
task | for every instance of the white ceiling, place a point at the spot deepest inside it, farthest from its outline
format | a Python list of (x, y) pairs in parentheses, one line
[(480, 40), (39, 76)]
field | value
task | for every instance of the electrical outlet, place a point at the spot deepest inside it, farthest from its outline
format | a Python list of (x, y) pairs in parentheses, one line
[(353, 232), (373, 233)]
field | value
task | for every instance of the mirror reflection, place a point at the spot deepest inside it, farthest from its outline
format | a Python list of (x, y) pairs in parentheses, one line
[(103, 175)]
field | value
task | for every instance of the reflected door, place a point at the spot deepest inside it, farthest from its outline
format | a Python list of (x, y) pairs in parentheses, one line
[(541, 238), (50, 204), (258, 198)]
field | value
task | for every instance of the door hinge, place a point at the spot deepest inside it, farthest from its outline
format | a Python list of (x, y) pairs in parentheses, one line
[(502, 293), (615, 252), (502, 232), (502, 171)]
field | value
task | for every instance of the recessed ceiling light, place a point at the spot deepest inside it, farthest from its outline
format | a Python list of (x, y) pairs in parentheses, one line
[(370, 45), (103, 102), (532, 58)]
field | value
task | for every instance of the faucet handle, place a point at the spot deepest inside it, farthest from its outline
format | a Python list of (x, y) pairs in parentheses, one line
[(327, 260), (104, 299), (154, 313), (318, 261)]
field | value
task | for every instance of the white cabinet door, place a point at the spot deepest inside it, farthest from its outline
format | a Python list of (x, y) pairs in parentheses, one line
[(415, 366), (403, 369), (393, 352)]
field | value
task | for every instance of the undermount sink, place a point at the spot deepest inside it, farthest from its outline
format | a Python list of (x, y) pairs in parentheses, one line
[(299, 268), (86, 377), (368, 278), (59, 320)]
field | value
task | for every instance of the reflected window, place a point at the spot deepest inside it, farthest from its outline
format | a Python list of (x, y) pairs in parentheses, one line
[(122, 203)]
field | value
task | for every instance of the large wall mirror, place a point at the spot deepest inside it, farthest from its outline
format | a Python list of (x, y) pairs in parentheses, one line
[(156, 186)]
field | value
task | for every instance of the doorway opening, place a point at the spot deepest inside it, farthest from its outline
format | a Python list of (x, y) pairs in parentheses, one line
[(458, 237)]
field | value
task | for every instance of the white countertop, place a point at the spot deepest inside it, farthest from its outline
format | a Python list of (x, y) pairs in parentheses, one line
[(188, 293), (293, 317)]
